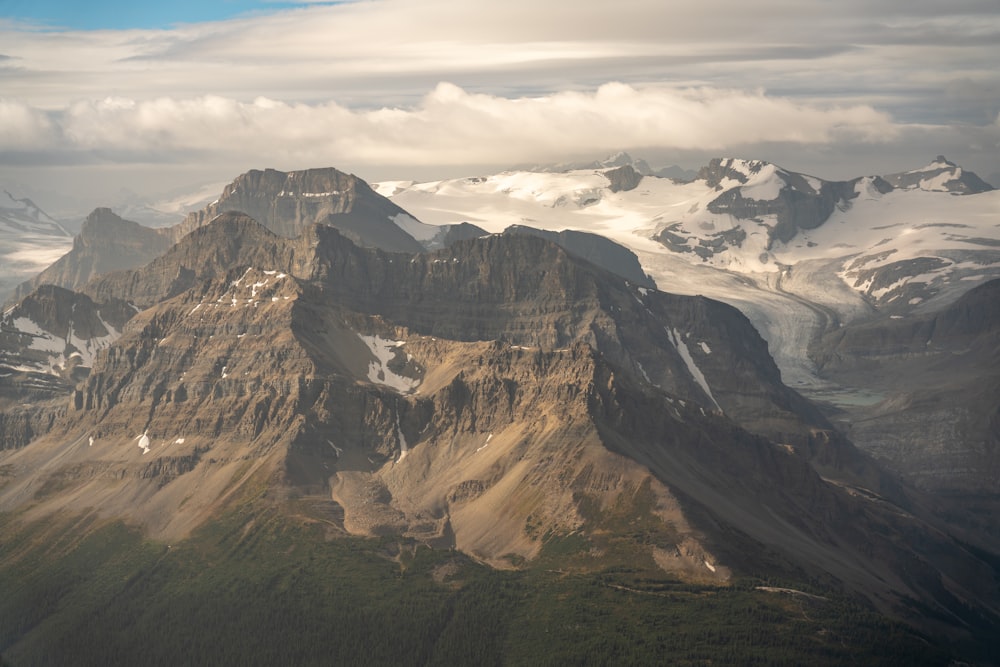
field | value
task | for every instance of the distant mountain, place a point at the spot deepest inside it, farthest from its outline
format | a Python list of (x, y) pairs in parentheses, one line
[(30, 240), (615, 160), (105, 243), (23, 217), (288, 203), (940, 176), (797, 254), (501, 397)]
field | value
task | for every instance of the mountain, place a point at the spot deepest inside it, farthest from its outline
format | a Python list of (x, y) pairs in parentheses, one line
[(499, 397), (799, 255), (105, 243), (288, 203), (22, 216), (30, 240), (48, 342), (932, 378), (617, 160), (940, 176)]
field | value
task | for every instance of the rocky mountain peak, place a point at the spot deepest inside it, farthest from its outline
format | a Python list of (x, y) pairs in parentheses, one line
[(721, 169), (941, 175), (106, 243), (289, 202)]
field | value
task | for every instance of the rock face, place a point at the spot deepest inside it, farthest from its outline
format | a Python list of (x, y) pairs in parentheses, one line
[(488, 397), (105, 243), (596, 249), (938, 376), (47, 343), (288, 203), (623, 178), (798, 204)]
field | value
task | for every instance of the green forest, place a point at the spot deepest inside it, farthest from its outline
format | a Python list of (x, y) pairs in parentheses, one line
[(267, 589)]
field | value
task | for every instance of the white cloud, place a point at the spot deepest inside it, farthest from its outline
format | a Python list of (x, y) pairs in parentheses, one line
[(22, 127), (356, 84), (450, 125)]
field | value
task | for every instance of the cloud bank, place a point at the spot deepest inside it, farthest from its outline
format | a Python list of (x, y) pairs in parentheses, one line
[(359, 85), (448, 126)]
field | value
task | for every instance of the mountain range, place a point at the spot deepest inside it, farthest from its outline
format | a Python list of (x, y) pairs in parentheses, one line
[(489, 367)]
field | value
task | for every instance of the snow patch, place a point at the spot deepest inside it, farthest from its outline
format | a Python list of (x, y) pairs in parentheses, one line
[(379, 372), (143, 442), (403, 448), (485, 444), (692, 367)]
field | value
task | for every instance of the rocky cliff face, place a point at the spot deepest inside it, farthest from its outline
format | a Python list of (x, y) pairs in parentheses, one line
[(105, 243), (623, 178), (490, 396), (595, 249), (288, 203)]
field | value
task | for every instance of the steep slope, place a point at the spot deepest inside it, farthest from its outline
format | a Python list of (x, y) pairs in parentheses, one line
[(596, 249), (47, 343), (797, 255), (105, 243), (288, 203), (230, 240), (938, 378), (494, 396)]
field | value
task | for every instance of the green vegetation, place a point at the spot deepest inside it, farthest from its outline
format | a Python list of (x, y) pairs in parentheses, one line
[(262, 588)]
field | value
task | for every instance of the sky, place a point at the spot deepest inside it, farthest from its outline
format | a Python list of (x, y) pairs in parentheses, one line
[(98, 100)]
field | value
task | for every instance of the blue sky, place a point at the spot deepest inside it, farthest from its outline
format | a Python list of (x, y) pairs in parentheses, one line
[(125, 14), (149, 96)]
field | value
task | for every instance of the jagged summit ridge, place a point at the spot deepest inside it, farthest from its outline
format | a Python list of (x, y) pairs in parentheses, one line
[(289, 202)]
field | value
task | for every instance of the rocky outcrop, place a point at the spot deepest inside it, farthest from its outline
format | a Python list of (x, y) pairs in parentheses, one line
[(231, 240), (623, 178), (105, 243), (288, 203)]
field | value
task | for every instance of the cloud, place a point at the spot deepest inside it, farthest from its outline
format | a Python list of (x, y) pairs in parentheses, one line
[(448, 126), (357, 85), (22, 127)]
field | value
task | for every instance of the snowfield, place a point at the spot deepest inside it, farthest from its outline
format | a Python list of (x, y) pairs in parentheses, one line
[(869, 255)]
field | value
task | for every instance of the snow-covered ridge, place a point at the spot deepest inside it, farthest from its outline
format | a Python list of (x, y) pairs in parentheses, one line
[(698, 237), (22, 216)]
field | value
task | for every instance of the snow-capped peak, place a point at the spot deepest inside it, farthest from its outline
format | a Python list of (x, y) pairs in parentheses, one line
[(23, 216), (940, 175)]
